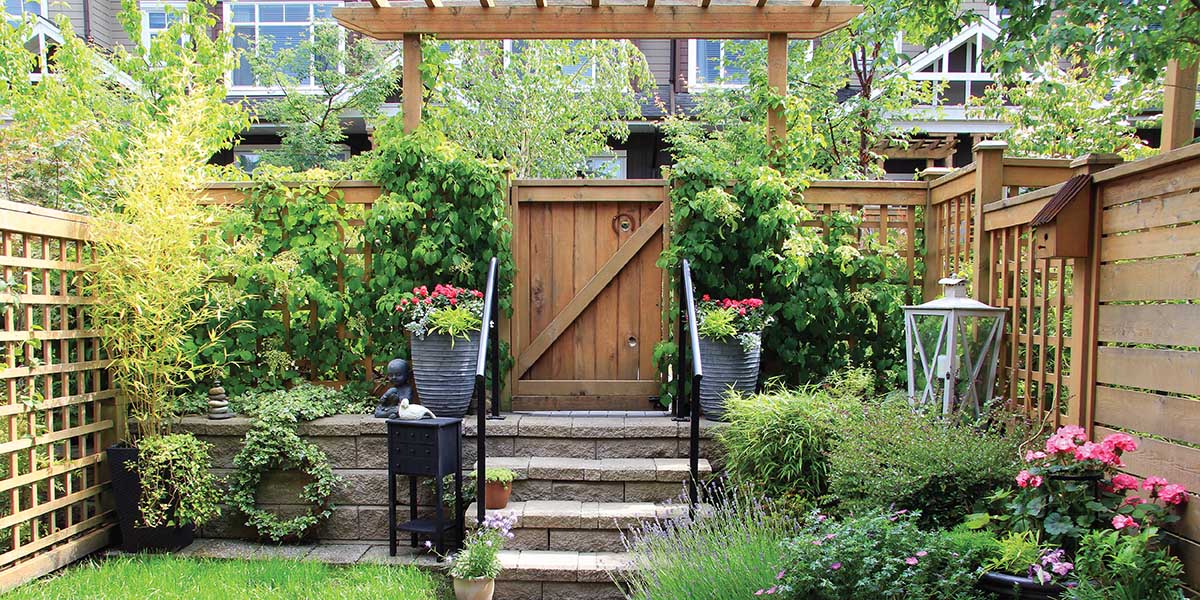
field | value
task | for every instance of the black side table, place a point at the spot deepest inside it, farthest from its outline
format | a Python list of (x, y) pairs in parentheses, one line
[(425, 448)]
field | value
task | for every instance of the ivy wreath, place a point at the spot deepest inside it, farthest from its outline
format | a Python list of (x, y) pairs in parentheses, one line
[(277, 446)]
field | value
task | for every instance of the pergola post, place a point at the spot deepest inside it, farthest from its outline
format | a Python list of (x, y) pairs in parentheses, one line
[(413, 90), (777, 60), (1179, 105)]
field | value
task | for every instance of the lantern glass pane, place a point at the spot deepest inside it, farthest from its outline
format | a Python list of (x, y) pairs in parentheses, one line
[(929, 342), (974, 349)]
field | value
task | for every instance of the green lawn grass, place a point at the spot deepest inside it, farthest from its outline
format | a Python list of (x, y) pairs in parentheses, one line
[(167, 577)]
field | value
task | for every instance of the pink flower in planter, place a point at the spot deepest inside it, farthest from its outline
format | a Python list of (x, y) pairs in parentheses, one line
[(1120, 441), (1124, 481), (1097, 452), (1122, 521), (912, 560), (1173, 494), (1026, 479), (1032, 456), (835, 566), (1152, 483)]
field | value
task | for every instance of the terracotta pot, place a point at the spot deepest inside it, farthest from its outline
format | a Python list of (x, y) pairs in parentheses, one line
[(474, 589), (496, 495)]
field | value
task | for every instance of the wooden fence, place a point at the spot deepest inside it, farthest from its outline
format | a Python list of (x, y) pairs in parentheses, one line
[(58, 411), (1109, 339)]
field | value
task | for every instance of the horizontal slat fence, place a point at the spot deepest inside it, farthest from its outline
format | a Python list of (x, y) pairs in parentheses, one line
[(1148, 323), (58, 412)]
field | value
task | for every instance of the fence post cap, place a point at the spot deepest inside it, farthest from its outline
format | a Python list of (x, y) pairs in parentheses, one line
[(932, 173), (990, 145), (1101, 159)]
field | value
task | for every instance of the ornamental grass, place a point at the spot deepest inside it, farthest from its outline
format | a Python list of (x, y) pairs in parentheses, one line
[(732, 548)]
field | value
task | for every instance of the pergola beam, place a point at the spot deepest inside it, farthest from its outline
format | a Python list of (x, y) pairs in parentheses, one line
[(797, 21)]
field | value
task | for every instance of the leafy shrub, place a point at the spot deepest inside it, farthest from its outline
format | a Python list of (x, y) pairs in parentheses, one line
[(895, 457), (836, 296), (779, 441), (441, 217), (729, 550), (877, 556), (1114, 566), (1015, 551), (177, 486)]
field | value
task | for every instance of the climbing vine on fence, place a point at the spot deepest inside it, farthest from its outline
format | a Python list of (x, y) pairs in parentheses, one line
[(440, 219), (301, 279), (836, 298)]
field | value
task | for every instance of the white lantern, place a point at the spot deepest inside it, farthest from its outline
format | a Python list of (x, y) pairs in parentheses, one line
[(953, 348)]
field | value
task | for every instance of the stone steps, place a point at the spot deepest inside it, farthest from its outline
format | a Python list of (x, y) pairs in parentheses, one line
[(551, 575), (588, 437), (603, 480), (572, 526)]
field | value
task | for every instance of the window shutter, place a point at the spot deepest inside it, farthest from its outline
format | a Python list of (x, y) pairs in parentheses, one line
[(681, 66)]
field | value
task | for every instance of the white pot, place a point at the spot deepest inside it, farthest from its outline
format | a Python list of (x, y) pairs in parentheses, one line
[(474, 589)]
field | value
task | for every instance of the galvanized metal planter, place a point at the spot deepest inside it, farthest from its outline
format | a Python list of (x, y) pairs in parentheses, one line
[(444, 372), (727, 366)]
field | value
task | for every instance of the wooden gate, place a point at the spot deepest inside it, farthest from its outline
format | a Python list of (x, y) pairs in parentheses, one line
[(588, 299)]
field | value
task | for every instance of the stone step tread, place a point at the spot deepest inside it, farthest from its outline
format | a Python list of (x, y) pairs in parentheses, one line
[(569, 514), (672, 470), (553, 565), (566, 426)]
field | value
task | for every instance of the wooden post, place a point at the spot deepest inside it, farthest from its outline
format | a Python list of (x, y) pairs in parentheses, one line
[(777, 59), (413, 90), (989, 187), (1084, 303), (1179, 106), (930, 289)]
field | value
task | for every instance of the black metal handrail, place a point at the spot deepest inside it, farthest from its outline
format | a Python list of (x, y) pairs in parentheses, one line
[(488, 339), (687, 313)]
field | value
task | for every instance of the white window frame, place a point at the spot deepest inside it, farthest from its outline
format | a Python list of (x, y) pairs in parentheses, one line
[(43, 8), (620, 157), (268, 90), (158, 6), (693, 71)]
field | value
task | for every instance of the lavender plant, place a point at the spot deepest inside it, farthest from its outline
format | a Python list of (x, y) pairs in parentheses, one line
[(732, 548), (480, 556)]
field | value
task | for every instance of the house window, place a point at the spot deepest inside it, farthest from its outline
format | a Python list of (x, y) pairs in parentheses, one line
[(285, 24), (15, 10), (247, 157), (610, 165), (157, 18), (716, 62)]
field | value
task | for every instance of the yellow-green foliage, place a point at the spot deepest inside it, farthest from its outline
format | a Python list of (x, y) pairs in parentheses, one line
[(151, 270)]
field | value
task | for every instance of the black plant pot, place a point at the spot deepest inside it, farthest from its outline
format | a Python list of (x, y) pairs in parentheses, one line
[(728, 368), (127, 488), (1004, 585), (444, 370)]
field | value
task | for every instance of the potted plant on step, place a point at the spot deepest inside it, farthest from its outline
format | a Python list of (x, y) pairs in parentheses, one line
[(477, 565), (148, 291), (730, 345), (498, 484), (445, 326)]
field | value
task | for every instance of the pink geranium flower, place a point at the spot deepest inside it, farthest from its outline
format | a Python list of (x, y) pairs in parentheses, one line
[(1120, 441), (1027, 479), (1122, 522), (1173, 494), (1153, 482), (1124, 481)]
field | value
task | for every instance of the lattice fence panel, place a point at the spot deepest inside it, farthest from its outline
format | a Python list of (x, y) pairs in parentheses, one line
[(57, 416)]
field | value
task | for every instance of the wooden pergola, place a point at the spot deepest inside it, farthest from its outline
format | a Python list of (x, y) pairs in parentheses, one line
[(776, 21)]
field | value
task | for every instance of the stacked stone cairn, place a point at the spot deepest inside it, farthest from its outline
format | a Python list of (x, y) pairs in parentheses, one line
[(218, 402)]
